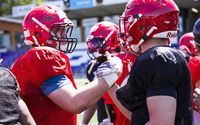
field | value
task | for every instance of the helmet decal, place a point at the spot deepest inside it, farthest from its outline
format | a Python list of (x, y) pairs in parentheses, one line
[(61, 14)]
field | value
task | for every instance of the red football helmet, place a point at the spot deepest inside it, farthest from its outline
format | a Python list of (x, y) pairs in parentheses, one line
[(39, 23), (102, 38), (159, 17), (187, 43)]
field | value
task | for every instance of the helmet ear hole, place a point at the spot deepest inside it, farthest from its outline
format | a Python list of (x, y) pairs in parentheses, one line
[(39, 35), (142, 28), (113, 40), (170, 16)]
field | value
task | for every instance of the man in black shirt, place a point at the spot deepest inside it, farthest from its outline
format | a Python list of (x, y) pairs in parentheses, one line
[(13, 110), (158, 90)]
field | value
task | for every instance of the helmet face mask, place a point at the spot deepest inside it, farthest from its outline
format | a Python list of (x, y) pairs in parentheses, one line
[(95, 47), (95, 43), (61, 34), (52, 20), (144, 19)]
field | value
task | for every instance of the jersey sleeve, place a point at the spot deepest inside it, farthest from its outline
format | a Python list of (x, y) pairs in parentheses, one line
[(45, 63), (54, 83)]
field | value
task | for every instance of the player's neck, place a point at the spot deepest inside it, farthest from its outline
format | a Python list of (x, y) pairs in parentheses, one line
[(152, 42)]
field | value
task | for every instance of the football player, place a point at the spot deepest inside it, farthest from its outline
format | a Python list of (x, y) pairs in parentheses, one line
[(158, 89), (194, 65), (187, 45), (44, 72), (104, 37), (13, 110)]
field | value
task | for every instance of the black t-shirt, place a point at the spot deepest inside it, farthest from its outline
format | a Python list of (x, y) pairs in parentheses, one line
[(9, 112), (158, 71)]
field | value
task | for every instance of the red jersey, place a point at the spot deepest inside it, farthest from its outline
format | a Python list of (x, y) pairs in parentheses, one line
[(194, 65), (127, 60), (31, 69)]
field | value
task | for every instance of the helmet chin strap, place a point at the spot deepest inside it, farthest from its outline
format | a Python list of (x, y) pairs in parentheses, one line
[(134, 20), (36, 42), (143, 38)]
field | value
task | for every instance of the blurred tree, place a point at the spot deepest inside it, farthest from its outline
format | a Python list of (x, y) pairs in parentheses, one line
[(6, 5)]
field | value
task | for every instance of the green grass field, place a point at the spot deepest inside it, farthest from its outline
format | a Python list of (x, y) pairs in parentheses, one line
[(93, 121)]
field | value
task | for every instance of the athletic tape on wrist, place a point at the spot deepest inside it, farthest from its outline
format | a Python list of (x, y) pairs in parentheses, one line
[(110, 78)]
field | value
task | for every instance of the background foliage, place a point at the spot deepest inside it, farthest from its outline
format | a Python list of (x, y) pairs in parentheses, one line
[(6, 5)]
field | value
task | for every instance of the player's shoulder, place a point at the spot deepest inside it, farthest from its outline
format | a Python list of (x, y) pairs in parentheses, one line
[(45, 49), (194, 65), (160, 55), (6, 74), (40, 58), (5, 71), (195, 60), (165, 52), (46, 53)]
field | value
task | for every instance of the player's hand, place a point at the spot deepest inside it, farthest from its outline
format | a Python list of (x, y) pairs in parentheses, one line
[(117, 61), (197, 97), (110, 70)]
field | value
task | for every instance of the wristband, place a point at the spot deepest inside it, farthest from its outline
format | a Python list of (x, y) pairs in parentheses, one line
[(110, 78)]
